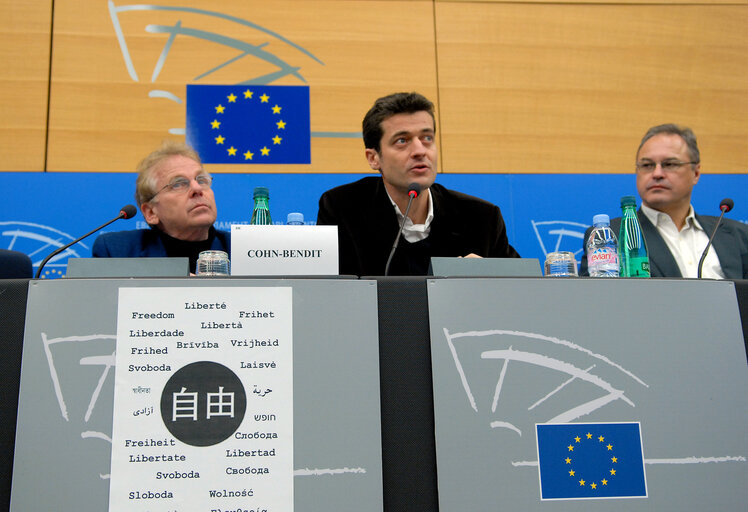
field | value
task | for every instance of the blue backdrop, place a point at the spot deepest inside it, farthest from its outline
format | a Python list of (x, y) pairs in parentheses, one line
[(543, 212)]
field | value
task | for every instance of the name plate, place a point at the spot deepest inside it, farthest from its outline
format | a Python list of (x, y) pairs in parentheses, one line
[(284, 250)]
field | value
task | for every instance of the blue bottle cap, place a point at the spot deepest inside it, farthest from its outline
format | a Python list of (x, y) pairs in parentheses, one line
[(600, 218), (295, 218), (261, 192)]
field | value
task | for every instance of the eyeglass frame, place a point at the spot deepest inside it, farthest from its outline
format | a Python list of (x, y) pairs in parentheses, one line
[(666, 165), (176, 184)]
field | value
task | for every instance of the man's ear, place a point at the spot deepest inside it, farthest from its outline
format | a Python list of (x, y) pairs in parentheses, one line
[(696, 173), (148, 212), (373, 158)]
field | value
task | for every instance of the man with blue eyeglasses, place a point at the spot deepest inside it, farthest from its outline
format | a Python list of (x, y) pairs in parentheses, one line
[(175, 197), (668, 166)]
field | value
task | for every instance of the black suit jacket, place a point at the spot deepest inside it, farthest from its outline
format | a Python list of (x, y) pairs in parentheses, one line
[(730, 243), (367, 226)]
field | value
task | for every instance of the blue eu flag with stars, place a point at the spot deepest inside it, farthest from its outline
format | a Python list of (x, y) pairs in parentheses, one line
[(249, 124), (590, 460)]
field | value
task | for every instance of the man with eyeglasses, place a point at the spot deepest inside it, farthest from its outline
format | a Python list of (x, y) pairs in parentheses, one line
[(667, 168), (175, 197)]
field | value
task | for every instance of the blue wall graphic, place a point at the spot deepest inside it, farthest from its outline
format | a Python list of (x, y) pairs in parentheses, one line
[(543, 212)]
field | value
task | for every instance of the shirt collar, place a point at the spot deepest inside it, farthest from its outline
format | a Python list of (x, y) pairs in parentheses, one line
[(400, 216), (659, 218)]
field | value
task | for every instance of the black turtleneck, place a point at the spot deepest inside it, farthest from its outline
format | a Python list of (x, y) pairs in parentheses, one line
[(176, 248)]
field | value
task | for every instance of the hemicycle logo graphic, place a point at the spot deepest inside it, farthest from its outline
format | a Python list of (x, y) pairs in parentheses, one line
[(38, 240), (254, 52)]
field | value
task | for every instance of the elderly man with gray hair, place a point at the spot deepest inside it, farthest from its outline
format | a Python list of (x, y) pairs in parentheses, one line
[(175, 196)]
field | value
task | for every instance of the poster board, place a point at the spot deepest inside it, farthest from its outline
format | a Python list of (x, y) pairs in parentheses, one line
[(337, 432), (666, 354)]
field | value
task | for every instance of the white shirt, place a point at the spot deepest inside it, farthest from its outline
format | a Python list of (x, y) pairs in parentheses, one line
[(687, 244), (414, 232)]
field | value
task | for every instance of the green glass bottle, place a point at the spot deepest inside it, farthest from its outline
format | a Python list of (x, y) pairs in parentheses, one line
[(632, 248), (261, 211)]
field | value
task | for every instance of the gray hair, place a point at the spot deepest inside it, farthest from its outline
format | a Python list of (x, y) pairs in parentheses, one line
[(683, 132)]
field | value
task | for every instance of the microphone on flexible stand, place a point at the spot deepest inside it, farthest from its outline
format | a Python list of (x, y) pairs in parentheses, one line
[(127, 212), (725, 206), (414, 189)]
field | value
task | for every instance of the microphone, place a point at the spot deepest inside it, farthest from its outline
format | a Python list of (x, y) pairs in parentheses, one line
[(127, 212), (725, 206), (414, 189)]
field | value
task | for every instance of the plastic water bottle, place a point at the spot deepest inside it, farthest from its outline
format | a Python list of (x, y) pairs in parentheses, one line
[(632, 253), (602, 248), (261, 211), (295, 219)]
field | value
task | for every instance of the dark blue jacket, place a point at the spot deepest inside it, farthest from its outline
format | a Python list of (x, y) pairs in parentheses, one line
[(144, 243)]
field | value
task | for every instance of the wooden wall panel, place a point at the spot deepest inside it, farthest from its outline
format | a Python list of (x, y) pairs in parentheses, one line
[(639, 2), (102, 118), (25, 29), (522, 86), (571, 88)]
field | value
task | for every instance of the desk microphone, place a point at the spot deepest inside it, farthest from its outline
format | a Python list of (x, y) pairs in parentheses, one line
[(725, 206), (127, 212), (413, 190)]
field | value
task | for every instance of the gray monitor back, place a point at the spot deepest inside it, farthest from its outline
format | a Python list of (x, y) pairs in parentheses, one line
[(128, 267), (485, 267)]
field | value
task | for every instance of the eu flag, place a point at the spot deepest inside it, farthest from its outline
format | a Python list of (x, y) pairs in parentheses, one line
[(590, 460), (249, 124)]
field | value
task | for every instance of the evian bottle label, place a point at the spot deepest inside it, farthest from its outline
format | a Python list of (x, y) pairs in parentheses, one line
[(603, 256)]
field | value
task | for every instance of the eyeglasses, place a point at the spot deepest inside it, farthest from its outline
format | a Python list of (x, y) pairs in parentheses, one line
[(667, 165), (182, 184)]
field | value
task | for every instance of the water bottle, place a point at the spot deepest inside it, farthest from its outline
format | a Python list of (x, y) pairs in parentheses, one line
[(632, 252), (295, 219), (602, 248), (261, 211)]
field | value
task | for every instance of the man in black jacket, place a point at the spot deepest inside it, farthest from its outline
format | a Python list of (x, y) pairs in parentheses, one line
[(668, 166), (399, 136)]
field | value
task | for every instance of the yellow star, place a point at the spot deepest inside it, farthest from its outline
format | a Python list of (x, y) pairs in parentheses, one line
[(248, 94), (581, 482), (276, 110), (612, 471), (593, 485), (219, 140), (614, 459), (281, 125), (265, 151), (610, 447), (215, 124), (604, 482), (232, 151), (571, 448), (568, 460), (277, 140), (571, 473), (589, 436), (264, 98), (231, 98), (577, 439), (220, 108), (601, 439), (248, 155)]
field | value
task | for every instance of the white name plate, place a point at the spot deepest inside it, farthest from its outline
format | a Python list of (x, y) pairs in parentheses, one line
[(284, 250)]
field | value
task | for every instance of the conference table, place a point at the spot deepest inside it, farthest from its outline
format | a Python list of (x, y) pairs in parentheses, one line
[(417, 325)]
